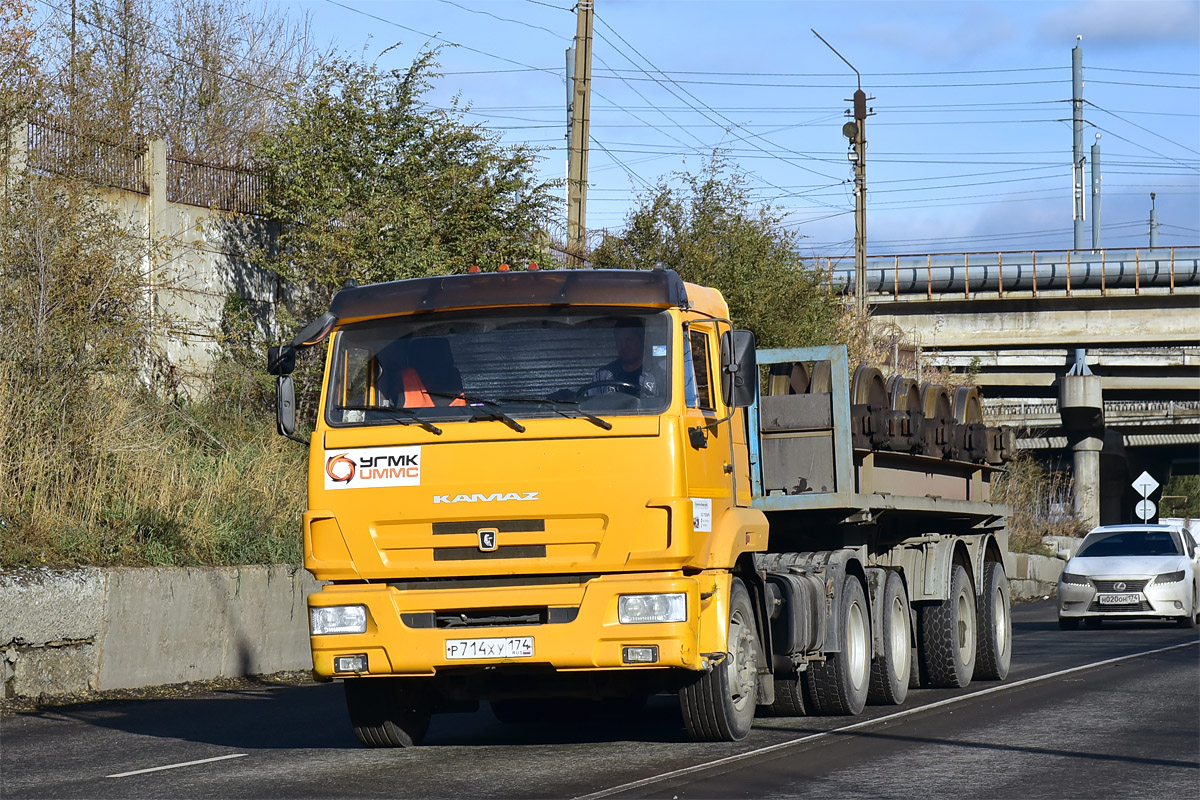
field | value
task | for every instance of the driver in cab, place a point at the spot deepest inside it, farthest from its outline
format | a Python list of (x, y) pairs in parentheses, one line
[(626, 373)]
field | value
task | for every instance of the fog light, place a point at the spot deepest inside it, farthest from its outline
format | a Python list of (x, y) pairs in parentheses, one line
[(356, 663), (641, 654), (634, 609), (1178, 604), (324, 620)]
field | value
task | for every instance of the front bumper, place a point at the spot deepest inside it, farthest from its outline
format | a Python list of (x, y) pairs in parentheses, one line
[(1154, 600), (583, 633)]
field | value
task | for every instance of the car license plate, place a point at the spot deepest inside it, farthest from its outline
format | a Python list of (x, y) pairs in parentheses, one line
[(1129, 598), (511, 647)]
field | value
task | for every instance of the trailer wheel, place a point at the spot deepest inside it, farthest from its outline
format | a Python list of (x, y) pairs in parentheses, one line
[(948, 634), (719, 705), (387, 712), (838, 686), (890, 671), (995, 625)]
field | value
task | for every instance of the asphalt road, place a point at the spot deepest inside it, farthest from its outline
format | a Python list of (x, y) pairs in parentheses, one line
[(1113, 712)]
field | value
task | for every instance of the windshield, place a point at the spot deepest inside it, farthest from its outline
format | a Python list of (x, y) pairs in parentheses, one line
[(500, 365), (1130, 543)]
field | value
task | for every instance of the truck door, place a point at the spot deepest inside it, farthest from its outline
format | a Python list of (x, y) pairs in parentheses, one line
[(708, 454)]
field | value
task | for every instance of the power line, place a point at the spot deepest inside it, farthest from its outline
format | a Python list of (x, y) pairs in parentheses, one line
[(435, 37), (1139, 127)]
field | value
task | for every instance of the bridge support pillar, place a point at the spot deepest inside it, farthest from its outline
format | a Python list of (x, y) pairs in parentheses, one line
[(1081, 406), (1086, 468)]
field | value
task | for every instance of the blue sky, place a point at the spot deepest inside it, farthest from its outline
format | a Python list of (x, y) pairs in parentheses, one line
[(969, 148)]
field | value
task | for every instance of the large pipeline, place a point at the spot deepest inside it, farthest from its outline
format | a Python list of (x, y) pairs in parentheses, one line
[(1023, 271)]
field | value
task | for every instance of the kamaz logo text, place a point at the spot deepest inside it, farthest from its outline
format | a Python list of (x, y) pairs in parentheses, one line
[(494, 497)]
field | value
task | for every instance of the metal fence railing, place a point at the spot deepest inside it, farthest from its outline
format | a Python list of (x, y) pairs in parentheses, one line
[(224, 188), (57, 151), (54, 150)]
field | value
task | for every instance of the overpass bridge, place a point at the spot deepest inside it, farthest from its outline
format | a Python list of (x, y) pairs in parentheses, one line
[(1093, 355)]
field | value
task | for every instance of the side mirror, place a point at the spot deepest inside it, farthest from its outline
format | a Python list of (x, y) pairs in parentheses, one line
[(281, 360), (739, 368), (285, 406)]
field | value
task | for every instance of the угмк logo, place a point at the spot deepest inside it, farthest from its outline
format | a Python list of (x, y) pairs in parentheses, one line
[(339, 468)]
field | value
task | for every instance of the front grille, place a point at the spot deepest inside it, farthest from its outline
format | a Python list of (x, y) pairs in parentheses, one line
[(475, 554), (1131, 585), (501, 525), (1139, 606), (489, 617)]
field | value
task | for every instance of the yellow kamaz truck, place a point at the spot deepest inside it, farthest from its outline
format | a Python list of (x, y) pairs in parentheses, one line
[(548, 488)]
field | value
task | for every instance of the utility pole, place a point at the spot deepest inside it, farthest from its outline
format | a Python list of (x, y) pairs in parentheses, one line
[(856, 132), (1077, 157), (581, 114), (1096, 193), (1153, 223)]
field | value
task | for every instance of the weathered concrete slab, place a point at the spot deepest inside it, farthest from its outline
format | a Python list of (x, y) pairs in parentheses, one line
[(39, 606), (171, 626)]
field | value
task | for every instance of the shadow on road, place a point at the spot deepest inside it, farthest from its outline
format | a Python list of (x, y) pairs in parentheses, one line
[(314, 717)]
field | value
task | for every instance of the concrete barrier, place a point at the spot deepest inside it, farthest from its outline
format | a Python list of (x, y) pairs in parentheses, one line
[(1033, 577), (75, 631), (85, 630)]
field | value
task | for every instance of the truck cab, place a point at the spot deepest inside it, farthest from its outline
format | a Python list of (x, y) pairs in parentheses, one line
[(546, 488)]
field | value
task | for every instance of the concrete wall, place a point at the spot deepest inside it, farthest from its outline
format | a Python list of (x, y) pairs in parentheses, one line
[(76, 631), (67, 632)]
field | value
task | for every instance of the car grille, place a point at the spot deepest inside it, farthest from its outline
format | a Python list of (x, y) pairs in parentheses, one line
[(1130, 585), (1139, 606)]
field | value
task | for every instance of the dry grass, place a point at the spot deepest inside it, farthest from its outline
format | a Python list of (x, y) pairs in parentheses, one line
[(1041, 502), (119, 476)]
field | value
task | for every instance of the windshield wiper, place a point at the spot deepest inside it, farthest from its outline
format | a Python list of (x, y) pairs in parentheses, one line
[(493, 407), (557, 406), (404, 416)]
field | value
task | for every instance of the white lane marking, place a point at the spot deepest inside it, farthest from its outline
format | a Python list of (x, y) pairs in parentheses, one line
[(898, 715), (176, 766)]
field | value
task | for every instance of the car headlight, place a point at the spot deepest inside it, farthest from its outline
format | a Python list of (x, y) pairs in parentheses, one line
[(1169, 577), (633, 609), (324, 620), (1077, 580)]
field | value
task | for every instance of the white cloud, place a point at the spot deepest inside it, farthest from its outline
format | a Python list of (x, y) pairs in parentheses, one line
[(1124, 21)]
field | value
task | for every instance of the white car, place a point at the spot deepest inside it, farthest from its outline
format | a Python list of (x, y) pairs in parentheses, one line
[(1131, 572)]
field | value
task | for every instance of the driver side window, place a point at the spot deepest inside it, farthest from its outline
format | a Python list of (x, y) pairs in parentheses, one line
[(701, 370)]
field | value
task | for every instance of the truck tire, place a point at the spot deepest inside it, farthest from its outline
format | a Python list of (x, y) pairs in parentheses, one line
[(719, 705), (948, 635), (891, 668), (995, 625), (789, 697), (387, 712), (838, 686)]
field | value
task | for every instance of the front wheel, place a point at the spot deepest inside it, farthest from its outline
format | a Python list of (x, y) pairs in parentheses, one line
[(719, 705), (995, 625), (948, 634), (838, 686), (387, 712)]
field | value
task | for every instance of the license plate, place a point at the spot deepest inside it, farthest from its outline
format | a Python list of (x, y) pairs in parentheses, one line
[(1127, 599), (511, 647)]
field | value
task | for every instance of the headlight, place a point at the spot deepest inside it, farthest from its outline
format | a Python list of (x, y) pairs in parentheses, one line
[(323, 620), (1078, 580), (636, 608), (1169, 577)]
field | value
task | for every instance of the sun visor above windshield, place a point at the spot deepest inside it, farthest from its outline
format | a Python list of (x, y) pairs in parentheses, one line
[(659, 288)]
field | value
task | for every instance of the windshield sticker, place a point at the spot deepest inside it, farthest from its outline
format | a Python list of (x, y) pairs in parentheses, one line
[(702, 514), (659, 351), (373, 466)]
